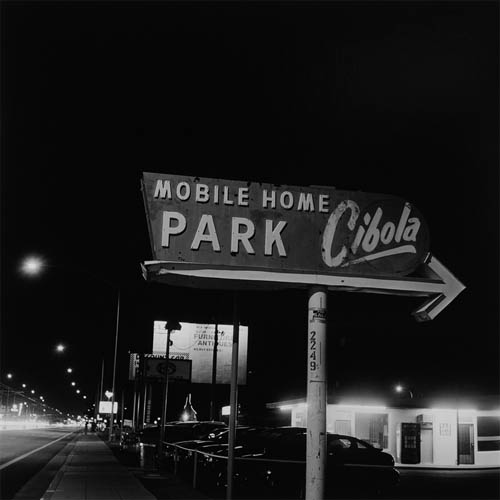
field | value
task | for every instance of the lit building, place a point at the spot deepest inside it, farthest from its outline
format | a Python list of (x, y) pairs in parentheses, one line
[(434, 435)]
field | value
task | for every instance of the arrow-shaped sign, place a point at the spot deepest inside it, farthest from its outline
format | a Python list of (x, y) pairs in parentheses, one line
[(452, 287), (437, 282)]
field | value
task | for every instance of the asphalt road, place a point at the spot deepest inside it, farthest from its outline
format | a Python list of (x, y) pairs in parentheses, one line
[(28, 460)]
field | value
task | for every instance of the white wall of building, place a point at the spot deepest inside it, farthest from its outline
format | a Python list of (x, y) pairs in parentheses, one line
[(341, 419)]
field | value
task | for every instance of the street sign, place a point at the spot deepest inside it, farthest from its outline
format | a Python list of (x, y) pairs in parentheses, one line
[(250, 226), (178, 369), (217, 233)]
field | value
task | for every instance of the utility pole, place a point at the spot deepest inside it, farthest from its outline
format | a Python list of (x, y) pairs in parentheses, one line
[(214, 373), (233, 398), (170, 326), (113, 390)]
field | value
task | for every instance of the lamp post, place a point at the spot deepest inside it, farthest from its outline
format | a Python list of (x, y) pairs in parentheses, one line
[(34, 265), (114, 366)]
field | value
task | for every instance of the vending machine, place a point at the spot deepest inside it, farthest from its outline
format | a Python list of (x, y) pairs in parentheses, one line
[(408, 443)]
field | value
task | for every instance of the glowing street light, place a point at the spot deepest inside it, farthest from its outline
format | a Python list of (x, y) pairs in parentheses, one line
[(60, 348), (73, 384), (24, 386), (31, 266), (78, 391), (32, 391), (9, 375), (69, 370)]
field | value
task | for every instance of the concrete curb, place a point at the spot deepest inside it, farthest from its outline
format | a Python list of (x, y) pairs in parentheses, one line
[(59, 474)]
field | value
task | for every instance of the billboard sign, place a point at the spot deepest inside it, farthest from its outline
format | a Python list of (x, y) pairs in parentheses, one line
[(133, 365), (195, 342), (105, 407), (276, 228)]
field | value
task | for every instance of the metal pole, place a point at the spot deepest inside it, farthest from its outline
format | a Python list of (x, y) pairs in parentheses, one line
[(316, 395), (233, 401), (101, 391), (144, 404), (195, 467), (134, 416), (97, 399), (165, 394), (214, 373), (114, 366), (121, 419), (139, 424), (148, 404)]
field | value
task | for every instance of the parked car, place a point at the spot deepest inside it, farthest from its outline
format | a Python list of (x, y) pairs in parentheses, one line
[(274, 465), (129, 439), (184, 431), (211, 444), (174, 431)]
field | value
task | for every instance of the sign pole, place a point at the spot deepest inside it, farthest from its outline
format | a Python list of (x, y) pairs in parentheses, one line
[(165, 394), (316, 394), (122, 413), (233, 401), (113, 389), (134, 407), (214, 373)]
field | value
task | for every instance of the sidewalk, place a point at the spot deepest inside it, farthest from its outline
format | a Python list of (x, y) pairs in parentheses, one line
[(91, 472)]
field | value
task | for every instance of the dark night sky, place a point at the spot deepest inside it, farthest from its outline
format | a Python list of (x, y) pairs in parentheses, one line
[(390, 97)]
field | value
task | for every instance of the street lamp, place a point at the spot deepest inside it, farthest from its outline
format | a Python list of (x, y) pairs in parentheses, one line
[(32, 265), (69, 370), (9, 376), (60, 347)]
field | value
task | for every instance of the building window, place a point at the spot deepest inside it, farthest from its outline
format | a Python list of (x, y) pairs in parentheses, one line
[(488, 433), (343, 427), (372, 428)]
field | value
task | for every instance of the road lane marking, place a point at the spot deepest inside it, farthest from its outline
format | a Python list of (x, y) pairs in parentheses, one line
[(14, 460)]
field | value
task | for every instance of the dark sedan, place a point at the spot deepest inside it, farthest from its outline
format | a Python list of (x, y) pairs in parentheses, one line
[(174, 431), (274, 465)]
